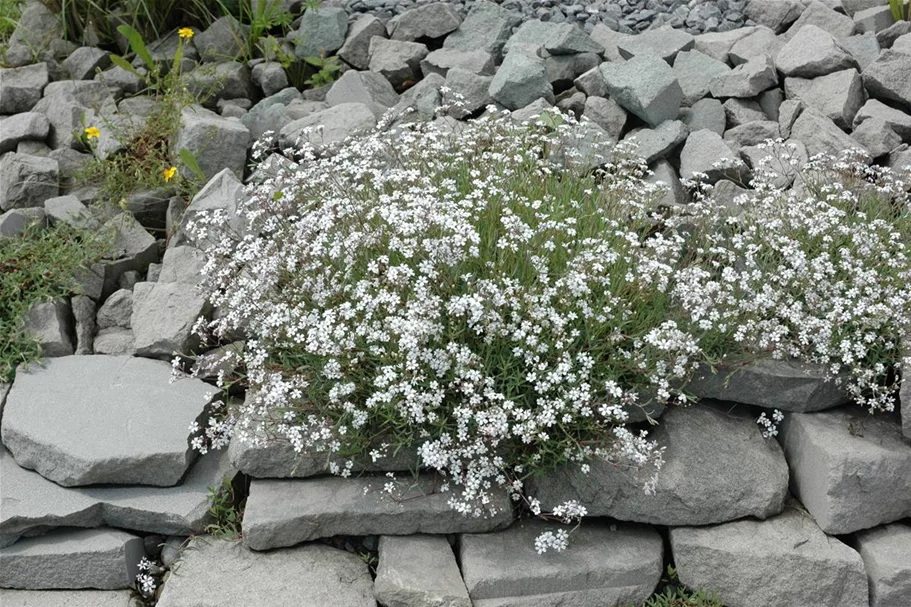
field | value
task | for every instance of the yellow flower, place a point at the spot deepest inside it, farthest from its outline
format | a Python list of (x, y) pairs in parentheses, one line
[(168, 174), (185, 33), (92, 132)]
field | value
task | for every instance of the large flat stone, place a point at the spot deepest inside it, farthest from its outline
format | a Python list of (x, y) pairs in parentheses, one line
[(419, 570), (886, 78), (773, 384), (851, 471), (654, 99), (66, 598), (812, 52), (72, 558), (41, 504), (287, 512), (821, 135), (717, 468), (602, 567), (782, 562), (125, 423), (886, 552), (216, 573)]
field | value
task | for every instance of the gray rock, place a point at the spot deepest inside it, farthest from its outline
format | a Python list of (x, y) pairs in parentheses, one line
[(286, 512), (783, 172), (555, 38), (852, 6), (428, 21), (116, 311), (886, 552), (28, 126), (42, 504), (696, 72), (27, 181), (730, 196), (837, 96), (128, 279), (707, 153), (609, 39), (182, 264), (21, 88), (473, 90), (216, 142), (825, 18), (591, 83), (607, 114), (751, 133), (664, 43), (653, 99), (51, 323), (531, 112), (84, 315), (33, 148), (120, 81), (864, 49), (603, 565), (705, 114), (72, 105), (215, 82), (223, 360), (487, 27), (163, 317), (742, 111), (665, 177), (419, 570), (37, 29), (215, 573), (15, 221), (572, 102), (774, 15), (875, 19), (717, 468), (422, 101), (887, 37), (773, 384), (356, 49), (132, 245), (321, 33), (223, 193), (787, 114), (442, 60), (562, 70), (812, 52), (270, 77), (369, 88), (70, 598), (114, 342), (821, 135), (901, 159), (520, 80), (224, 40), (658, 142), (85, 61), (762, 42), (717, 45), (68, 210), (103, 393), (730, 558), (877, 137), (172, 550), (851, 471), (74, 558), (338, 123), (398, 61), (746, 80), (902, 44), (886, 78)]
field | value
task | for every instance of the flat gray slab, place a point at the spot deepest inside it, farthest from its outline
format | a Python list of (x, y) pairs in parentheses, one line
[(72, 558), (216, 573), (851, 470), (287, 512), (66, 598), (124, 422), (717, 468), (419, 570), (782, 562), (602, 567), (31, 503), (886, 552)]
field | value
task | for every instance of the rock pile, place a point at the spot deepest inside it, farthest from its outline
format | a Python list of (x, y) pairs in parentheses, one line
[(96, 464)]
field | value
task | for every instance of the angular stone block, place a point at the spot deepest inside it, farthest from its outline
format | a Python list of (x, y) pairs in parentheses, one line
[(886, 552), (419, 570)]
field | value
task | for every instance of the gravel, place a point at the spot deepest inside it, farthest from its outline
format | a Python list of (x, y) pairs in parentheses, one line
[(626, 16)]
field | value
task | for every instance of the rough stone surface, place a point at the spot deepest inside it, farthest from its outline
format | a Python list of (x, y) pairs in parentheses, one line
[(718, 468), (702, 150), (665, 176), (807, 567), (837, 96), (69, 210), (66, 598), (777, 15), (762, 42), (15, 221), (21, 88), (773, 384), (555, 38), (419, 570), (219, 82), (163, 317), (821, 135), (696, 74), (874, 19), (474, 88), (487, 27), (27, 181), (223, 40), (40, 504), (84, 315), (811, 53), (442, 60), (658, 142), (886, 552), (718, 44), (222, 193), (80, 558), (607, 114), (322, 32), (746, 80), (217, 142), (270, 77), (851, 471), (71, 105), (338, 122), (356, 49), (182, 264), (126, 423), (705, 114), (216, 573), (898, 121), (603, 566), (654, 99), (286, 512), (116, 310), (369, 88), (51, 323), (397, 60), (82, 63), (877, 137), (886, 78), (28, 126), (428, 21), (825, 18), (663, 43), (520, 80)]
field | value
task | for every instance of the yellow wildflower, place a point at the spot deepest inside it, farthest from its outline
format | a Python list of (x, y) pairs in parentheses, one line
[(169, 173), (92, 132), (185, 33)]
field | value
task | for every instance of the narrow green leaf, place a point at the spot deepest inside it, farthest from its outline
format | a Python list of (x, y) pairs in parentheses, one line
[(123, 63), (189, 160), (138, 46)]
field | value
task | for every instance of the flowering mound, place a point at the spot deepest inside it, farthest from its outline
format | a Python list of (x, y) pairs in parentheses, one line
[(475, 292)]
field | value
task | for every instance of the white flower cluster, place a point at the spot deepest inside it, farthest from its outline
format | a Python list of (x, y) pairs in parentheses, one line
[(770, 425)]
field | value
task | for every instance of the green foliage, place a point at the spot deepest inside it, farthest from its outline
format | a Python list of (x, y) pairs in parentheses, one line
[(225, 511), (38, 266), (326, 70), (9, 16), (263, 19), (676, 594), (898, 7)]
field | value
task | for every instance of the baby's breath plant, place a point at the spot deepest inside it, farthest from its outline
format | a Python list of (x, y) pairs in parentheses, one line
[(820, 272), (474, 292)]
